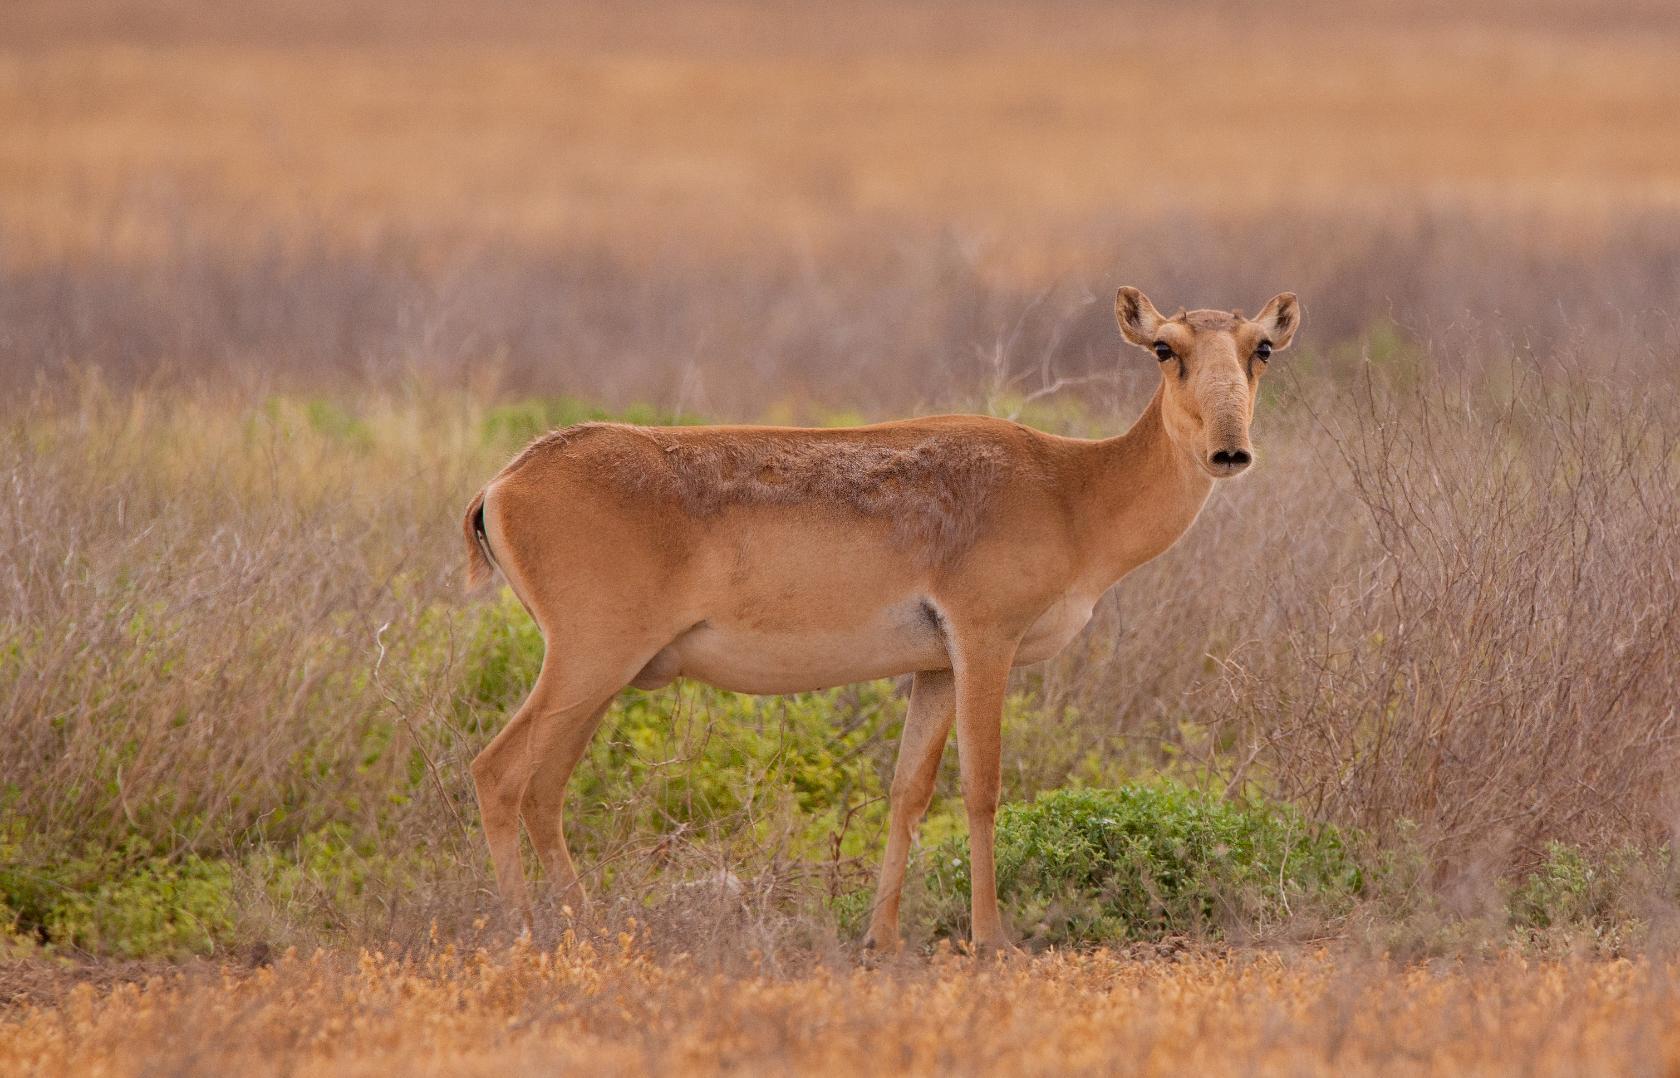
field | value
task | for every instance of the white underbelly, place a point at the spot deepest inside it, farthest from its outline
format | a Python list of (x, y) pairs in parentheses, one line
[(743, 658), (903, 638)]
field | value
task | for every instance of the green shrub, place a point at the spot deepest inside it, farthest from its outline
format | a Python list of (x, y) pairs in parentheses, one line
[(805, 771), (127, 902), (1570, 889), (1145, 861), (504, 651), (1560, 891)]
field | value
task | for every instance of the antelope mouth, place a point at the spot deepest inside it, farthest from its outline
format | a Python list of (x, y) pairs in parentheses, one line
[(1224, 463)]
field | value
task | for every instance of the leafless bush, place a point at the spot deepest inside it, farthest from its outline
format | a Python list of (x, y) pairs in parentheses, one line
[(1490, 653), (191, 609)]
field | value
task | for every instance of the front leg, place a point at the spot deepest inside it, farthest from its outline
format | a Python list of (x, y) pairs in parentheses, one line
[(982, 678)]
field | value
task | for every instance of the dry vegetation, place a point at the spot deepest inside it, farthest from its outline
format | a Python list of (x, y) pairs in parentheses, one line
[(502, 1012), (278, 291)]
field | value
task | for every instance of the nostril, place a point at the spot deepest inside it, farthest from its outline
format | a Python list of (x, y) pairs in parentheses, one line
[(1232, 458)]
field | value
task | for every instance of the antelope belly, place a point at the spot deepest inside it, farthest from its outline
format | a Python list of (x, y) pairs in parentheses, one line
[(759, 656)]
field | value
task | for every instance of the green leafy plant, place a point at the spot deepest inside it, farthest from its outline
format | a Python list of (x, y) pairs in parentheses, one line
[(128, 902), (1571, 889), (1143, 861)]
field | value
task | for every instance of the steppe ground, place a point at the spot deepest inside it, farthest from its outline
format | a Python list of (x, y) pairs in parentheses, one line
[(280, 282), (615, 1013)]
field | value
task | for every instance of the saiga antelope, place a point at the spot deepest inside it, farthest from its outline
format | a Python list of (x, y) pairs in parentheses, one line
[(778, 560)]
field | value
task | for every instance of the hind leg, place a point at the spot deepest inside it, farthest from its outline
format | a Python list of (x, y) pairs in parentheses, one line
[(554, 723), (544, 802), (926, 728)]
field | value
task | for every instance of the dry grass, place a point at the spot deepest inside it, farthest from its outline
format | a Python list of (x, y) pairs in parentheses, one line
[(495, 1012), (726, 125), (892, 321), (739, 208)]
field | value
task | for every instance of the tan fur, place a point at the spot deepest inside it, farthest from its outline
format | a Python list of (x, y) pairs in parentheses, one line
[(773, 559), (933, 487)]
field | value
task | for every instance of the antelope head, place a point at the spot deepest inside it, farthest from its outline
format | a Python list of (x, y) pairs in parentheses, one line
[(1211, 362)]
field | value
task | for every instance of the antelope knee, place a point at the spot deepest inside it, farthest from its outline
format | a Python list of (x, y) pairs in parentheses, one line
[(912, 794), (495, 792)]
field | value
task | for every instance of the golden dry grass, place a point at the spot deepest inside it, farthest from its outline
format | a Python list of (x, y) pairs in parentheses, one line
[(730, 124), (521, 1010)]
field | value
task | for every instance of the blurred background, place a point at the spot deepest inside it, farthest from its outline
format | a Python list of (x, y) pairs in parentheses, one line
[(282, 284), (737, 207)]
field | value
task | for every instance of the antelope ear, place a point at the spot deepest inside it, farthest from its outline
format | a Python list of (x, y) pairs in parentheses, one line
[(1280, 319), (1137, 316)]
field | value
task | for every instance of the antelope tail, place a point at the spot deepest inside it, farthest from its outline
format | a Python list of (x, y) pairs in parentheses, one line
[(479, 562)]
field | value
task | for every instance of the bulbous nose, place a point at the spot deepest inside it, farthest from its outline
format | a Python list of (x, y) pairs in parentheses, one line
[(1230, 461)]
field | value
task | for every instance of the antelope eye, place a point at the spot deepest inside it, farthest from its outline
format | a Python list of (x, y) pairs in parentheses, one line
[(1264, 350), (1163, 351)]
